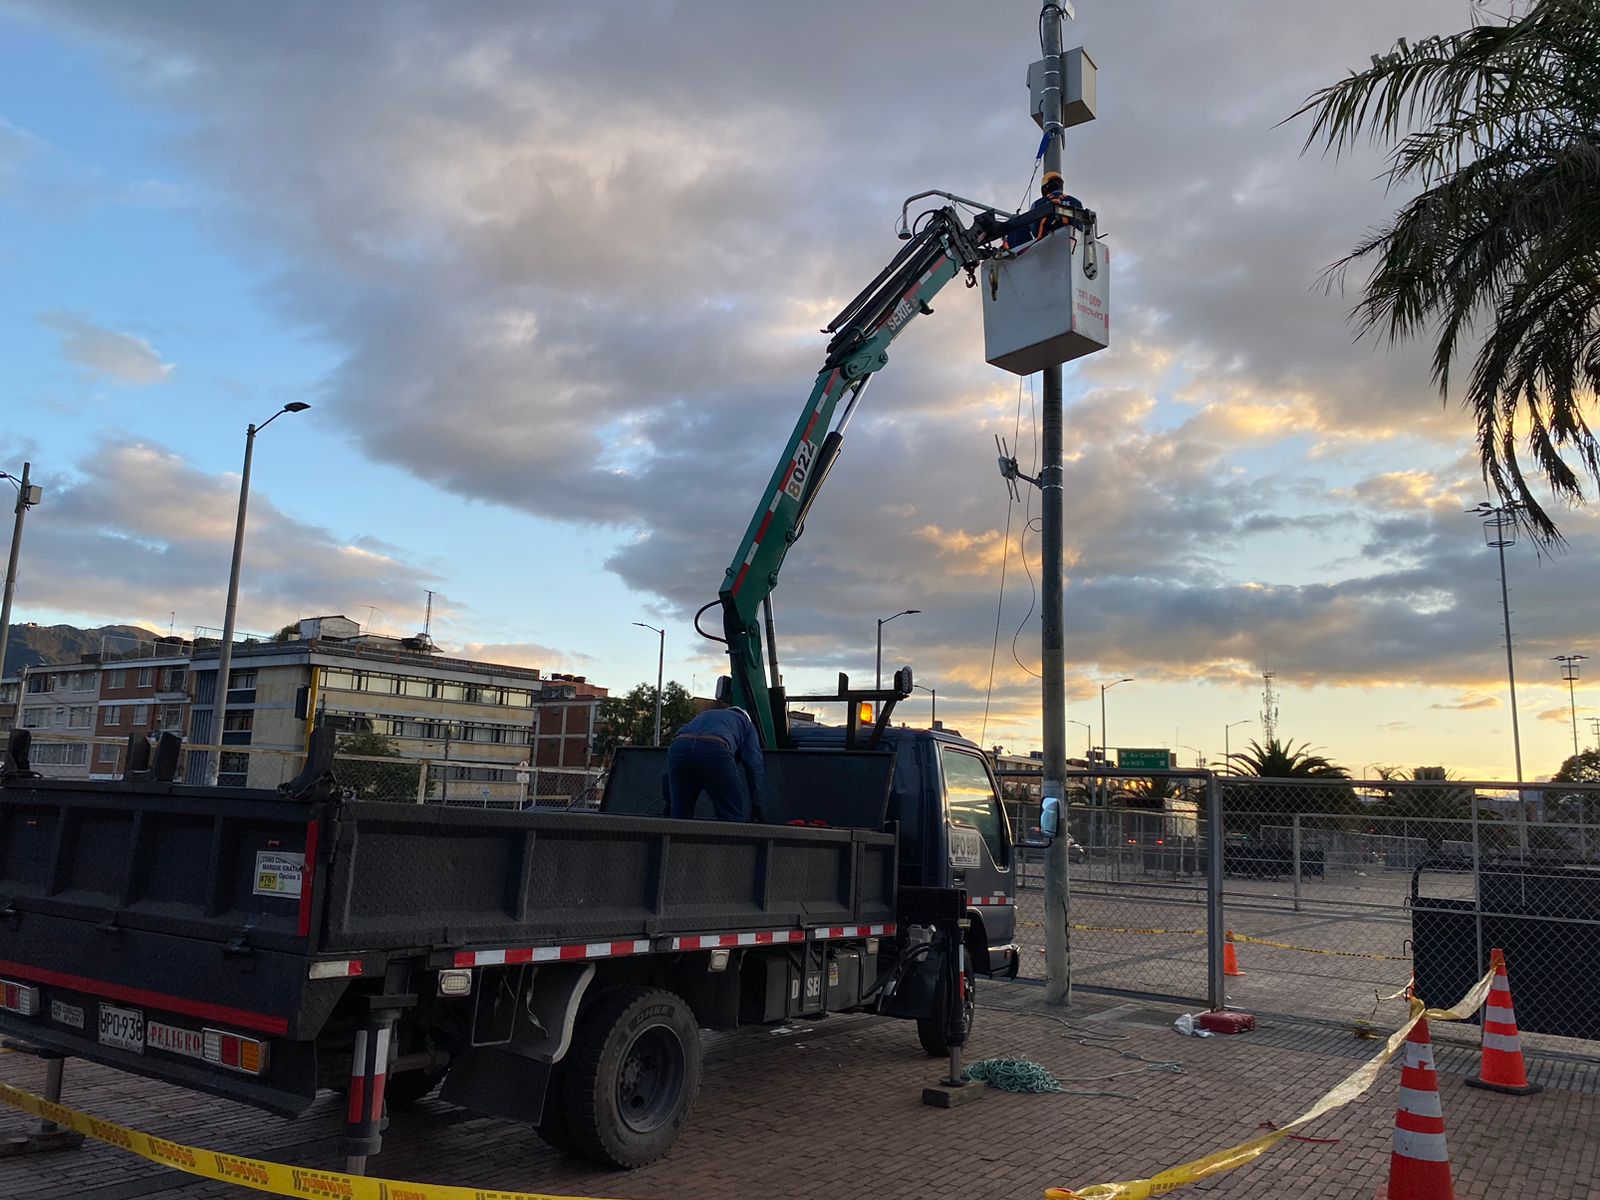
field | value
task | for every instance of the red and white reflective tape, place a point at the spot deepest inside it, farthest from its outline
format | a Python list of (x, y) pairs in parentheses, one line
[(988, 901), (718, 941), (538, 954), (852, 931), (342, 969)]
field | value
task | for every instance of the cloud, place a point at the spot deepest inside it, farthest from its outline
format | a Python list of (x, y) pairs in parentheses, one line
[(527, 654), (572, 269), (1469, 703), (138, 531), (119, 356)]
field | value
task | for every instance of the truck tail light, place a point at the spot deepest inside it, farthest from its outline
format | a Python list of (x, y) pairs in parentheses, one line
[(455, 983), (19, 998), (248, 1056)]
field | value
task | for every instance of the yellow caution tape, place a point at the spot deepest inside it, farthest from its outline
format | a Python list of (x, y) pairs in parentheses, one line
[(1255, 941), (262, 1176), (1352, 1086)]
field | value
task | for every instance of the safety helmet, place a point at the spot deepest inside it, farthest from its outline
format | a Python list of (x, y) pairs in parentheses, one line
[(1052, 182)]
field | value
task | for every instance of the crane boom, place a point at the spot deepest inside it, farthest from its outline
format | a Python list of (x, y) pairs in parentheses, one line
[(862, 333)]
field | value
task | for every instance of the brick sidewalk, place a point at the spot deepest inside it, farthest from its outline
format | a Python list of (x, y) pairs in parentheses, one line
[(832, 1110)]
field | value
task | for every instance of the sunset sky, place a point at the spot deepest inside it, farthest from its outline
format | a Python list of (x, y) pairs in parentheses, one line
[(551, 277)]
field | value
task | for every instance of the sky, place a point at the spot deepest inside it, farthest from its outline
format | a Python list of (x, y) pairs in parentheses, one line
[(551, 275)]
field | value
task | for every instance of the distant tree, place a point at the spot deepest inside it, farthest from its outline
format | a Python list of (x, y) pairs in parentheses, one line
[(630, 720), (1576, 806), (289, 633), (375, 780), (1251, 798)]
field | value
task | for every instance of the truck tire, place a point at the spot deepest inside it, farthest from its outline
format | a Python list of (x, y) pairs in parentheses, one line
[(408, 1087), (631, 1075), (931, 1030)]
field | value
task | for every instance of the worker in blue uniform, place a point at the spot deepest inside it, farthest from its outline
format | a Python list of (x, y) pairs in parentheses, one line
[(1044, 216), (708, 755)]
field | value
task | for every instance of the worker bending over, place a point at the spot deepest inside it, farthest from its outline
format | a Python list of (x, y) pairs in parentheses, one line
[(707, 756)]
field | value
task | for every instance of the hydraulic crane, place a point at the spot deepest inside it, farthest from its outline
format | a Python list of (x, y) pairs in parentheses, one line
[(941, 247)]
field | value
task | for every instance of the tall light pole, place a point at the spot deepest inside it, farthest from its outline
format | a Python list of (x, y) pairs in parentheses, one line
[(28, 494), (1569, 672), (1088, 738), (219, 707), (661, 662), (1227, 744), (1500, 531), (1594, 728), (1199, 754), (882, 621), (933, 703), (1105, 747)]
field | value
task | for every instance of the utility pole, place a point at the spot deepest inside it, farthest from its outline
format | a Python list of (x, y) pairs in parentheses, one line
[(1569, 672), (1057, 891), (27, 496), (661, 664)]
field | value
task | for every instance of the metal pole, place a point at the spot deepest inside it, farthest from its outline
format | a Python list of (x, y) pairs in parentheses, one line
[(11, 567), (878, 674), (1217, 996), (1511, 680), (1296, 863), (661, 664), (1572, 700), (219, 705), (1057, 890)]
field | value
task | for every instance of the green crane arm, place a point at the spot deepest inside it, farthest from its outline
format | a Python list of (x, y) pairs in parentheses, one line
[(862, 333)]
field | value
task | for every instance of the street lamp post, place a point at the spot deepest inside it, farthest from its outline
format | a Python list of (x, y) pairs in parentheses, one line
[(1227, 744), (219, 705), (1088, 738), (661, 662), (28, 494), (933, 704), (1500, 531), (882, 621), (1569, 672), (1199, 754), (1105, 757)]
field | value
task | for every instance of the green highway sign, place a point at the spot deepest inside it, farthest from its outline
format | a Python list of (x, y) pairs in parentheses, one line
[(1144, 760)]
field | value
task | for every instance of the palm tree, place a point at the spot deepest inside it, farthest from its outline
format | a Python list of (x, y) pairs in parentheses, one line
[(1285, 760), (1497, 257)]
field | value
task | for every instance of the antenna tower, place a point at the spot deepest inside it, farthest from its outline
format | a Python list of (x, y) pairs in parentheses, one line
[(427, 620), (1269, 706)]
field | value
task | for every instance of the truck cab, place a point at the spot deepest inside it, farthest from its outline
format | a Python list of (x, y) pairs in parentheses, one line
[(945, 802)]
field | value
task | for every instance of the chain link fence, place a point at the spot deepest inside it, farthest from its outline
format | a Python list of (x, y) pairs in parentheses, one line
[(1334, 893)]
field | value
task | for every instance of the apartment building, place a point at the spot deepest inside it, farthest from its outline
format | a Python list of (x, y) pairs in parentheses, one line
[(475, 721), (145, 692), (10, 693), (59, 705)]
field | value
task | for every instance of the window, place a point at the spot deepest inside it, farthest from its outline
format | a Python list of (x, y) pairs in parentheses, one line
[(970, 800), (141, 714), (241, 679), (108, 756), (78, 681), (233, 770), (341, 680), (172, 717), (113, 715), (39, 685), (80, 716), (422, 688), (519, 698), (147, 677), (177, 679), (35, 718), (116, 679), (235, 721), (451, 691)]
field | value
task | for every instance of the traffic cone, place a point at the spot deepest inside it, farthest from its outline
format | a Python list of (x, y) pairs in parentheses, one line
[(1230, 960), (1419, 1167), (1502, 1069)]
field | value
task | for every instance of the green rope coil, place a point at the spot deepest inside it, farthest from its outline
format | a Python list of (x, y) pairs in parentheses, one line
[(1021, 1075)]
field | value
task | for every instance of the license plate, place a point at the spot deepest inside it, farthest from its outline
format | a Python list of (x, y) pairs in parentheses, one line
[(122, 1028)]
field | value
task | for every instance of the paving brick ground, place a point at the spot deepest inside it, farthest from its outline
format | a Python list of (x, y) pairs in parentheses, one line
[(832, 1110)]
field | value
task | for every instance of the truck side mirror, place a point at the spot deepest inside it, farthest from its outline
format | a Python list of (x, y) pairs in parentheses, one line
[(1049, 826)]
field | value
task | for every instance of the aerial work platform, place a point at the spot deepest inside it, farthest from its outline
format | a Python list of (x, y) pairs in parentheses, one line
[(1047, 304)]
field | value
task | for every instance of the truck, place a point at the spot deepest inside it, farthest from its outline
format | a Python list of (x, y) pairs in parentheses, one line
[(547, 967)]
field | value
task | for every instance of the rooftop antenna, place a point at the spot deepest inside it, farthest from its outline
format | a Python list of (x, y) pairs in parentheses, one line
[(427, 620), (371, 610), (1269, 705)]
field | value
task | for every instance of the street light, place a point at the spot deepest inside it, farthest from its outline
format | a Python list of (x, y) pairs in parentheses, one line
[(1088, 738), (28, 494), (933, 704), (1227, 745), (1569, 672), (1105, 746), (882, 621), (1500, 531), (661, 662), (1199, 754), (225, 655)]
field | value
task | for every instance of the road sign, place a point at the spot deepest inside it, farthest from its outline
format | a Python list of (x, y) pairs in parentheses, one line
[(1144, 760), (522, 772)]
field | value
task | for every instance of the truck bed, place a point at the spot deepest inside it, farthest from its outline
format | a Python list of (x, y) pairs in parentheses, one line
[(187, 901)]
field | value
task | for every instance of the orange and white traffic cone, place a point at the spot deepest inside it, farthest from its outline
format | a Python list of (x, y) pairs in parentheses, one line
[(1230, 960), (1419, 1167), (1503, 1069)]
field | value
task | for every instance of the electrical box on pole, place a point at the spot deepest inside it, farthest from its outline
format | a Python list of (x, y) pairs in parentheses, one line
[(1078, 100)]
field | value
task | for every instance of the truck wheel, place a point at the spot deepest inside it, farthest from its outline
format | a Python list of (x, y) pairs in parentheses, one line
[(408, 1087), (631, 1075), (931, 1030)]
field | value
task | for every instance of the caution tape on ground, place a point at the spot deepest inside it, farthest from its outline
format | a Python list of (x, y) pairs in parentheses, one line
[(1237, 937), (1347, 1089), (276, 1178)]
